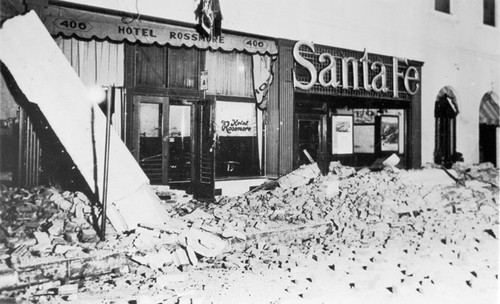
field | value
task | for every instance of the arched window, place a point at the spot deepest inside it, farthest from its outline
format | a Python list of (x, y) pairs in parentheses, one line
[(445, 113), (489, 122)]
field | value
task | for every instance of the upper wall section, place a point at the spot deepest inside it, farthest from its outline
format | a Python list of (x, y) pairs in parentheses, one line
[(398, 27)]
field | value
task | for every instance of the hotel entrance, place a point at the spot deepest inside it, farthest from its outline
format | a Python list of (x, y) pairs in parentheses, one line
[(175, 142), (165, 139)]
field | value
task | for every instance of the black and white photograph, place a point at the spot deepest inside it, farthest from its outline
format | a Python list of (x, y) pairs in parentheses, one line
[(260, 152)]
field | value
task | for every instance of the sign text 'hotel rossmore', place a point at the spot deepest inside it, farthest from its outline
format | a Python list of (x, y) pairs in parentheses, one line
[(327, 77)]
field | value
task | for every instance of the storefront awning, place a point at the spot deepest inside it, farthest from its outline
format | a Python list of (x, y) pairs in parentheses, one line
[(88, 25), (489, 112)]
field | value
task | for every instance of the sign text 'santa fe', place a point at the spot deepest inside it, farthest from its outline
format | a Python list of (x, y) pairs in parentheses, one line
[(378, 83)]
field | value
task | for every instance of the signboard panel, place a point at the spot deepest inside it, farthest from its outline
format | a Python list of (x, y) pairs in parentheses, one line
[(235, 119)]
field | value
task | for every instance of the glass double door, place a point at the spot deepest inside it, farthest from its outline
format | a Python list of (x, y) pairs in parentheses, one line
[(165, 141), (170, 141)]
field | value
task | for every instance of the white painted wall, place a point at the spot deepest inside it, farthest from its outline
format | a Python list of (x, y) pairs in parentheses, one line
[(457, 49)]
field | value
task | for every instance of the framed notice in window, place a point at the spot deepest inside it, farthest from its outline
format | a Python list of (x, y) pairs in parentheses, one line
[(364, 139), (389, 133), (342, 134), (236, 119)]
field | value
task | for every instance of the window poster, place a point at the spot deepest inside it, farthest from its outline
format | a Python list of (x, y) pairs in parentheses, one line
[(364, 139), (401, 115), (389, 133), (236, 119), (342, 134)]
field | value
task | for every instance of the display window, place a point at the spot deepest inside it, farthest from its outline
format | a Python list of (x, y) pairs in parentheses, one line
[(373, 131), (239, 143), (237, 151), (354, 135)]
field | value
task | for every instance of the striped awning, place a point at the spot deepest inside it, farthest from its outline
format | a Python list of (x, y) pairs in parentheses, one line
[(71, 22), (489, 112)]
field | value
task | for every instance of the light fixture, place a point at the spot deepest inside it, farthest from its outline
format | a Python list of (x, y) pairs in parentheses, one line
[(97, 94)]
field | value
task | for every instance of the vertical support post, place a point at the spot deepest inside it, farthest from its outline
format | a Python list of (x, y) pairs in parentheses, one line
[(110, 96)]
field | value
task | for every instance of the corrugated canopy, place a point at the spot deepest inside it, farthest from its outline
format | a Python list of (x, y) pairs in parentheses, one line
[(88, 25), (489, 112)]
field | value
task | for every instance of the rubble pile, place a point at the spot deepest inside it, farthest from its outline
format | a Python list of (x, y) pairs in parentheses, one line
[(44, 222), (355, 203), (363, 209), (355, 222), (388, 234), (371, 210)]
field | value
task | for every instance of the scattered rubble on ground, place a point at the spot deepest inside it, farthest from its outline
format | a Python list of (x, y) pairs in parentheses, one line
[(359, 223), (485, 173)]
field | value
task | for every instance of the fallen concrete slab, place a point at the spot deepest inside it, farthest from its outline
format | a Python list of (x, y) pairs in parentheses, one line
[(47, 79)]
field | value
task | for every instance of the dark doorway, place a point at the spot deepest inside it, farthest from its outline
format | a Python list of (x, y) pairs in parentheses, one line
[(445, 113), (488, 144), (310, 138), (489, 116)]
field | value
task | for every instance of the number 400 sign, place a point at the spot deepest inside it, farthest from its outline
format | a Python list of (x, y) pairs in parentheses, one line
[(72, 24), (255, 43)]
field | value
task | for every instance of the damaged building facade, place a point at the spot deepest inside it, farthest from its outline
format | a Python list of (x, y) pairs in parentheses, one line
[(224, 113)]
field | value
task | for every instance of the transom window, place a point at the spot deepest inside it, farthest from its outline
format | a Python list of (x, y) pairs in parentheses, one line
[(442, 6), (489, 12)]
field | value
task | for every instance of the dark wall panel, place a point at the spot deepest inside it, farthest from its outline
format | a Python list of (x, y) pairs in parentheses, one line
[(415, 128), (285, 60), (272, 128)]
